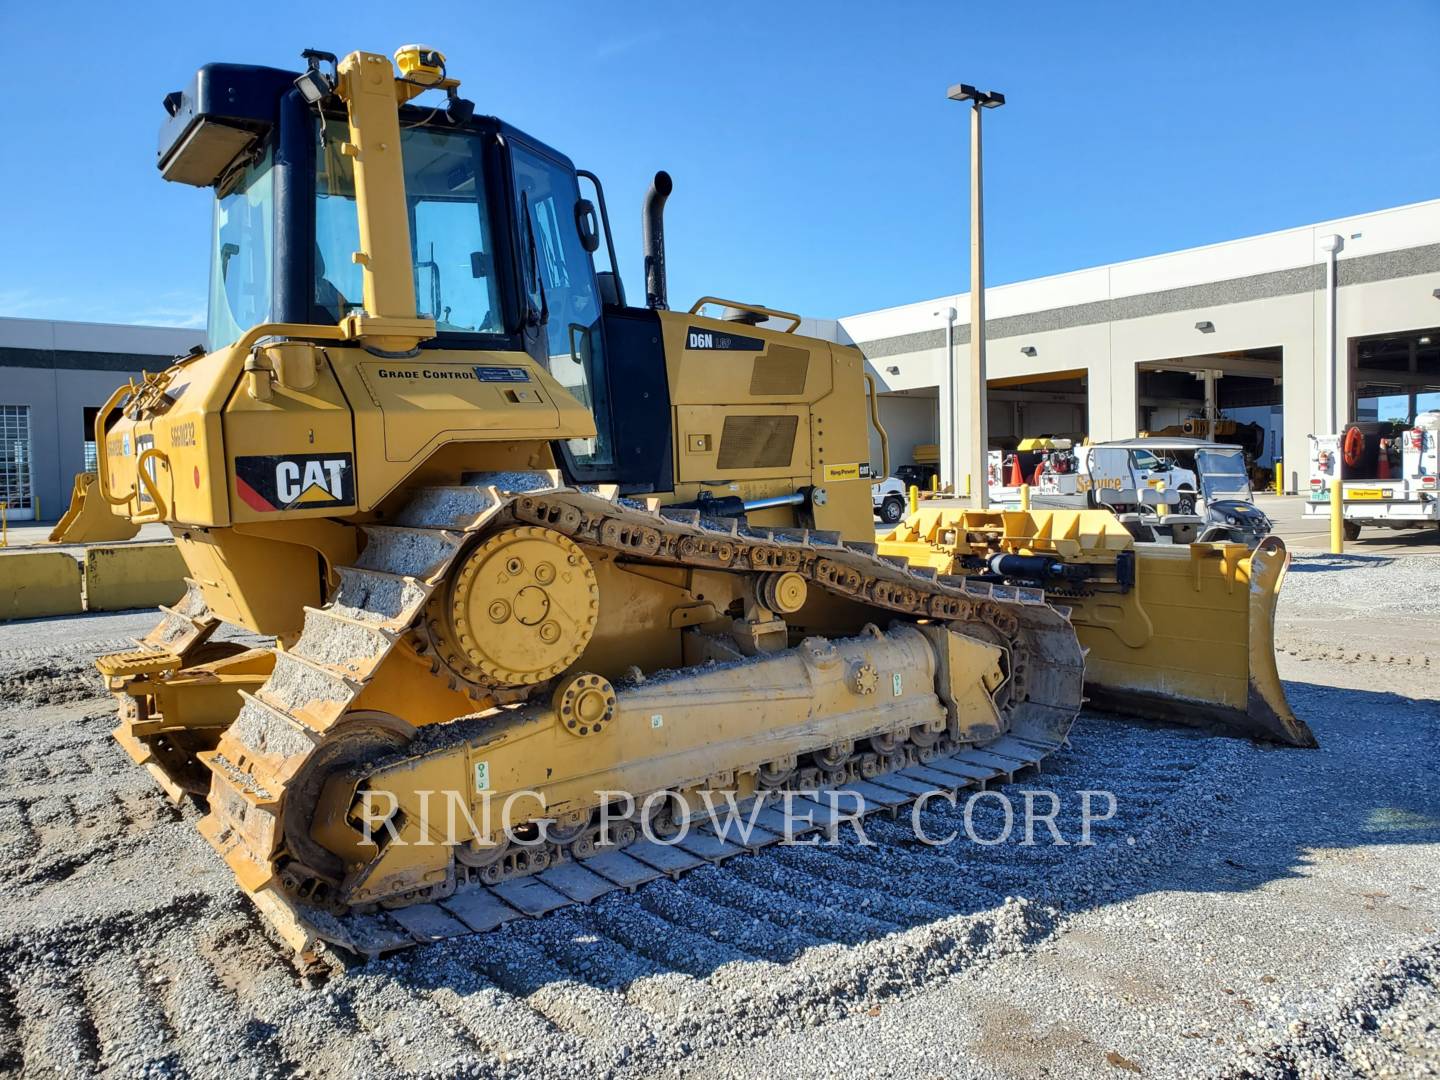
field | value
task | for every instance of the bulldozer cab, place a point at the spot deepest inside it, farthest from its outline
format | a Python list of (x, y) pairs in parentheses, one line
[(501, 246)]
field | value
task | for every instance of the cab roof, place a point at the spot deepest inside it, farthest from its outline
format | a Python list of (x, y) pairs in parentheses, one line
[(1177, 443)]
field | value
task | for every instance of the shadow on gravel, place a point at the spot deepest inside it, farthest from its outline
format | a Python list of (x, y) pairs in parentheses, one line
[(1194, 812), (1324, 564)]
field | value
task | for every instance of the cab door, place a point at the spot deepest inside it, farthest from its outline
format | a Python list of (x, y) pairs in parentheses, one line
[(562, 299), (611, 359)]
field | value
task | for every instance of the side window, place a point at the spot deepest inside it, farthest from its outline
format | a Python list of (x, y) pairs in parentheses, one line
[(560, 283), (1146, 460), (339, 285), (241, 271)]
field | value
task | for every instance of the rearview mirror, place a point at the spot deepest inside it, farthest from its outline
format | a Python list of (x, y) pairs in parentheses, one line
[(588, 225), (478, 269)]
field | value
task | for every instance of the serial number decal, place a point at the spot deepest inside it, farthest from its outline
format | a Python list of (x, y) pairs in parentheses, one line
[(183, 434), (271, 482)]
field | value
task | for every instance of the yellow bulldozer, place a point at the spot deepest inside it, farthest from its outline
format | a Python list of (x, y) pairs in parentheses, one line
[(523, 545)]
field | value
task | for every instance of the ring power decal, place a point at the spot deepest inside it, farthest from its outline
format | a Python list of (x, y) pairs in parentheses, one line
[(859, 470), (270, 482), (491, 373)]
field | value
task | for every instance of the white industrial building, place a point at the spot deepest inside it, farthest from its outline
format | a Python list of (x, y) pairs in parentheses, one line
[(1114, 350), (1101, 353), (54, 376)]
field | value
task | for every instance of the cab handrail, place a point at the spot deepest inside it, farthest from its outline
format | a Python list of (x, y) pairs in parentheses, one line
[(150, 486), (769, 313), (102, 468)]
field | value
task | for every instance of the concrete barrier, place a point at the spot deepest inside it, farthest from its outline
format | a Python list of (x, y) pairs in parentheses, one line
[(123, 576), (35, 584)]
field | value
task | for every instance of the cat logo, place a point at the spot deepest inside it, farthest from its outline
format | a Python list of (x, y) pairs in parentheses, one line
[(271, 482)]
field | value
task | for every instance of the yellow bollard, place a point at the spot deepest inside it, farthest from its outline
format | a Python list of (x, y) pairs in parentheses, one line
[(967, 485), (1024, 496), (1337, 518), (4, 525), (934, 483), (1279, 477), (1160, 510), (914, 499)]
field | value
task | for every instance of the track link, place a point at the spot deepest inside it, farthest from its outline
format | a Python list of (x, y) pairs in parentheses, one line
[(382, 598)]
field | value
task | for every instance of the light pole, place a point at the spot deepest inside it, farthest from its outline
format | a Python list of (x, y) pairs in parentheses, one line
[(979, 440), (1332, 246), (947, 406)]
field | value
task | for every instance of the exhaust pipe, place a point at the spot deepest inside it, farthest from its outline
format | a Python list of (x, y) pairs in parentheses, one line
[(652, 240)]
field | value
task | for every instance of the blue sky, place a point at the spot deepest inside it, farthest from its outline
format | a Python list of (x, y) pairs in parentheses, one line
[(817, 164)]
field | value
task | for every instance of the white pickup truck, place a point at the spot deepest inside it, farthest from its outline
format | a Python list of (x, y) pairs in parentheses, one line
[(1400, 493), (1149, 465), (1202, 485), (888, 498)]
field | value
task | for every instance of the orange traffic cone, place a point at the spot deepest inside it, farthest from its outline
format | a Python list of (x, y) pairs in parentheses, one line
[(1017, 478), (1383, 472), (1035, 476)]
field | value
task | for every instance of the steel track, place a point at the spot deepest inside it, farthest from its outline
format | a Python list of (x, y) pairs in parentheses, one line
[(382, 599)]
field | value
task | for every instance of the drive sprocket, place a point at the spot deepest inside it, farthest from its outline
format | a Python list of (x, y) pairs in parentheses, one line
[(519, 608)]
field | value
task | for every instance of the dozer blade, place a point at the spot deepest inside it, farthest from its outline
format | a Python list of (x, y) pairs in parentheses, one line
[(1173, 632), (89, 519), (1195, 642)]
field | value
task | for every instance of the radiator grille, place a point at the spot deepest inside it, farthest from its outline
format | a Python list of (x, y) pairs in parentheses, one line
[(757, 442), (780, 371)]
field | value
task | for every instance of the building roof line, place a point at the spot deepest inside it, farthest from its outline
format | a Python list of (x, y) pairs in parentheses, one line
[(1364, 269), (961, 299)]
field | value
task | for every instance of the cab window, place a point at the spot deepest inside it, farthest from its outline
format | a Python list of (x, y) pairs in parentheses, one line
[(242, 252), (450, 232), (560, 289)]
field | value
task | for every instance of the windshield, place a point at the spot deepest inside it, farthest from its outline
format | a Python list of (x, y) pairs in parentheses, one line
[(450, 231), (241, 253), (1222, 473)]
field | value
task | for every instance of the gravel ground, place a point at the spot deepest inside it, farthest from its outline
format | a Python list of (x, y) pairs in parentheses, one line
[(1246, 912)]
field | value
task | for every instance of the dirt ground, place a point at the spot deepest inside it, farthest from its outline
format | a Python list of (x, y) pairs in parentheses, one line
[(1247, 911)]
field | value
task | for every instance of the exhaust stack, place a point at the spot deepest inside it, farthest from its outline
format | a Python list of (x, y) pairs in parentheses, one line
[(652, 240)]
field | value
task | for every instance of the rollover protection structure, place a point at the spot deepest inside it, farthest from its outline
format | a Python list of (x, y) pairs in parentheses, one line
[(517, 542)]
